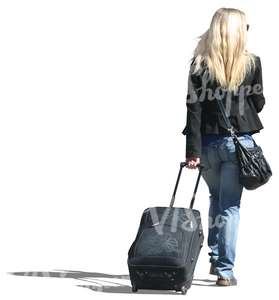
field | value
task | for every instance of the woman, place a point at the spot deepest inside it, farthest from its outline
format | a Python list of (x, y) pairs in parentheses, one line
[(222, 69)]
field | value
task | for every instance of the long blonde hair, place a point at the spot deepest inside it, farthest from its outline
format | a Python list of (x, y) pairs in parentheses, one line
[(222, 48)]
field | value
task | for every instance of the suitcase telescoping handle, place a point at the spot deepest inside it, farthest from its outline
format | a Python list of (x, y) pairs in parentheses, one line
[(182, 165)]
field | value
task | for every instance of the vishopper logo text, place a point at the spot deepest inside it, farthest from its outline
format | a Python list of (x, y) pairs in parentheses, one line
[(186, 221), (204, 92)]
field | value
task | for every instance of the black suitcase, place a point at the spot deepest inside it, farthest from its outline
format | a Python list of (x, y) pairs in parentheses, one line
[(165, 251)]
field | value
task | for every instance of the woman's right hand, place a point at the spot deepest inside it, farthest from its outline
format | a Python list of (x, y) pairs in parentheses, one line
[(192, 162)]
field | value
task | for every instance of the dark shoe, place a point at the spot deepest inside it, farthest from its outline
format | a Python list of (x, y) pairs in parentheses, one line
[(226, 281), (212, 270)]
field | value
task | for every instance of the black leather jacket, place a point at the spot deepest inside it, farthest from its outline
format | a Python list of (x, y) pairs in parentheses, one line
[(204, 116)]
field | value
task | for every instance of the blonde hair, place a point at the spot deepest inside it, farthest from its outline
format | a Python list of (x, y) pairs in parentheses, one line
[(222, 49)]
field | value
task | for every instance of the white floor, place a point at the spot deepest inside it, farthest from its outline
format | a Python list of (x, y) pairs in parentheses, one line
[(85, 285), (46, 275)]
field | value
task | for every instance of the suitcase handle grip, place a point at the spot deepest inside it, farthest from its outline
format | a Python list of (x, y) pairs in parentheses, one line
[(182, 165)]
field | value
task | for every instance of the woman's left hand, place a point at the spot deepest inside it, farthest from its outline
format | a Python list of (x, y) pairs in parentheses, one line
[(192, 162)]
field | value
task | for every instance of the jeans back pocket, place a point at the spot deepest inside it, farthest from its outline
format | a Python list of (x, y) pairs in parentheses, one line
[(246, 141)]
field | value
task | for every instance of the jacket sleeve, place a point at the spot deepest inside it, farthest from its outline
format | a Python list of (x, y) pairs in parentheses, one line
[(193, 120), (257, 96)]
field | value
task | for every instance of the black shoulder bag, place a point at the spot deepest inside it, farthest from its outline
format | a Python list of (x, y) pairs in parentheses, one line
[(254, 170)]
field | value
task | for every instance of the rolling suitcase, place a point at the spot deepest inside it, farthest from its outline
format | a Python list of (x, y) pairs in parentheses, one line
[(165, 251)]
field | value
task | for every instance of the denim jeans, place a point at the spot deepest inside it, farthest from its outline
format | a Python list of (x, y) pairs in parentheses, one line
[(221, 176)]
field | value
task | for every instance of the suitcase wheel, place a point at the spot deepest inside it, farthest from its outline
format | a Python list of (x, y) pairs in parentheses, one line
[(134, 288), (183, 290)]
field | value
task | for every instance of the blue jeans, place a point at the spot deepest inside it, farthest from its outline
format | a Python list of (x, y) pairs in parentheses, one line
[(221, 176)]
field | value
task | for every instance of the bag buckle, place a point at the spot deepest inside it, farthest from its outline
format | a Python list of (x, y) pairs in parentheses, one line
[(232, 132)]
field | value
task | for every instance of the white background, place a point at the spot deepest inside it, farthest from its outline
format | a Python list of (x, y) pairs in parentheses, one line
[(92, 109)]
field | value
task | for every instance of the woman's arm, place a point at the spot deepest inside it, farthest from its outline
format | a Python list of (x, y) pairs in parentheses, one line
[(257, 96), (193, 121)]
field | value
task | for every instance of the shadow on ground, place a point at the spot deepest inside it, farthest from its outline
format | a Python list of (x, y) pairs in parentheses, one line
[(101, 282)]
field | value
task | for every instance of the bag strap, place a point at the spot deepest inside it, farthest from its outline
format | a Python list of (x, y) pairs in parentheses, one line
[(182, 165), (230, 128)]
